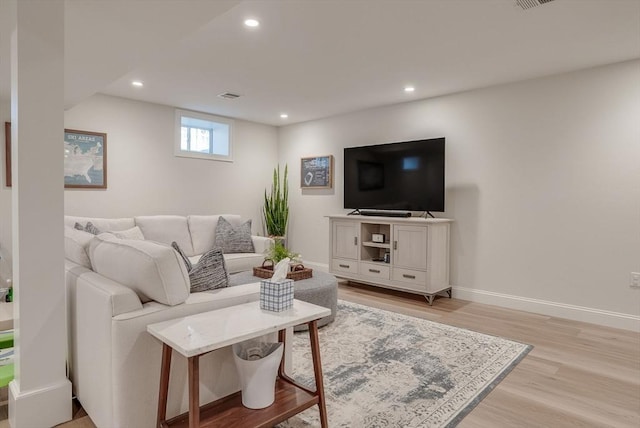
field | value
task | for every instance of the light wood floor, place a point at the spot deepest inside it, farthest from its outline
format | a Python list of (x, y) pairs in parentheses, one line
[(577, 375)]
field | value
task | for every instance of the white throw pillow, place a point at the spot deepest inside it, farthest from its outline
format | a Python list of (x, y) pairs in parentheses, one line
[(151, 269), (76, 245), (133, 233)]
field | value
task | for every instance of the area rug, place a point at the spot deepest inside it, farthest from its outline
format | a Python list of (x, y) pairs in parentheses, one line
[(383, 369)]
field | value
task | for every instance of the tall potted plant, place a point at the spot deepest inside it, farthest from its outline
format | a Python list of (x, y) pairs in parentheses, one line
[(276, 206)]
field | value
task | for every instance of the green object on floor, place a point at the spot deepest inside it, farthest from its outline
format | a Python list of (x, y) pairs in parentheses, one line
[(6, 339), (6, 372), (6, 375)]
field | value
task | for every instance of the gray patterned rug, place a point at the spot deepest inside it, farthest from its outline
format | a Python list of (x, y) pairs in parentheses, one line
[(383, 369)]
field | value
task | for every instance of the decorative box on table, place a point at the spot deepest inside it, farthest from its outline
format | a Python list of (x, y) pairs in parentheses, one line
[(276, 295)]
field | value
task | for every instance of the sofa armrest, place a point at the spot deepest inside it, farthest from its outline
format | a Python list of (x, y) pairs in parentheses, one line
[(261, 243), (111, 294), (93, 302)]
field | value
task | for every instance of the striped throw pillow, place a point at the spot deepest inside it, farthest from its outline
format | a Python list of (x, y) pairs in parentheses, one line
[(88, 228), (187, 262), (210, 272)]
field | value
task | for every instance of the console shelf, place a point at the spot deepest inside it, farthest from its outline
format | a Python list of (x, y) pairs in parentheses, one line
[(376, 244), (229, 411), (417, 250)]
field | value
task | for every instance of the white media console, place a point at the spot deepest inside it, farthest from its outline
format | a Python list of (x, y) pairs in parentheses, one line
[(417, 248)]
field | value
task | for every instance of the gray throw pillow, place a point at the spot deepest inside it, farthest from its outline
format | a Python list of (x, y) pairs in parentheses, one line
[(187, 262), (210, 272), (88, 228), (234, 239)]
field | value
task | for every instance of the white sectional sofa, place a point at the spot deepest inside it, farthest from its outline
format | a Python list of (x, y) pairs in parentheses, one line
[(114, 363)]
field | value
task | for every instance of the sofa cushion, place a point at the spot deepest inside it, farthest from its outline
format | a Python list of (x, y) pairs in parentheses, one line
[(166, 229), (234, 239), (103, 224), (76, 244), (203, 230), (242, 261), (154, 271), (210, 272)]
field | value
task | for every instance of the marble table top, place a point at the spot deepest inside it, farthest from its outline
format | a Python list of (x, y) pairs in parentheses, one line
[(208, 331)]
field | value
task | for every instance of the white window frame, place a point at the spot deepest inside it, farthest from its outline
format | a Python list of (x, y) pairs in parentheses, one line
[(202, 116)]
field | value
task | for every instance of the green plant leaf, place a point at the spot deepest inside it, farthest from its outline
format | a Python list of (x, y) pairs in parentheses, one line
[(277, 251), (276, 204)]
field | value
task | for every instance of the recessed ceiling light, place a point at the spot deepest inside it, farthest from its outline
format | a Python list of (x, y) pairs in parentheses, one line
[(409, 89), (251, 22), (284, 115), (137, 83)]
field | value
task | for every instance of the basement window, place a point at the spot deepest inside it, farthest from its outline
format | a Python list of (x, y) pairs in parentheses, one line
[(203, 136)]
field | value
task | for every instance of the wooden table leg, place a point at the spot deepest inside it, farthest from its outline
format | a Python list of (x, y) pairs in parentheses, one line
[(317, 370), (194, 391), (165, 367), (282, 338)]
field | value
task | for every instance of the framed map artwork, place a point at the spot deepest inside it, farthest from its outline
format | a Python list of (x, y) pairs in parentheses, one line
[(85, 159)]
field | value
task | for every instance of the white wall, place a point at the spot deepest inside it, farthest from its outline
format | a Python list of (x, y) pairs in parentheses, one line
[(144, 176), (543, 182)]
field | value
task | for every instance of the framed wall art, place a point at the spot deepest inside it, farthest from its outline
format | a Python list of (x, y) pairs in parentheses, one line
[(85, 159), (316, 172), (7, 154)]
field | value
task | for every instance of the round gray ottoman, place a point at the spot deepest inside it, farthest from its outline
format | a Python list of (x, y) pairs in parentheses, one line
[(321, 289)]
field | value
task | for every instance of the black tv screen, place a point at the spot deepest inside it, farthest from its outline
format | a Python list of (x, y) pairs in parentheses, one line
[(406, 176)]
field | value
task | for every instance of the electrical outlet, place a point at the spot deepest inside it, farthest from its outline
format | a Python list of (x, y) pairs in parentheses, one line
[(634, 281)]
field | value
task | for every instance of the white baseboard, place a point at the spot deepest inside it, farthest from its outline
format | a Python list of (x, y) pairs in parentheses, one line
[(42, 407), (555, 309), (543, 307)]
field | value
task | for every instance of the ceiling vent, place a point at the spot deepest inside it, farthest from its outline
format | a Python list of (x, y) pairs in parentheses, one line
[(528, 4), (229, 96)]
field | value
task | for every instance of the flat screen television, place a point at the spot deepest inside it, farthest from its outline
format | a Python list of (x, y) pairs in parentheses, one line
[(404, 176)]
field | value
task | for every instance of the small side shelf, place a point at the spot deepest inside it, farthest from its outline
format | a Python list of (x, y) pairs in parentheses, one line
[(377, 244), (229, 411), (375, 262)]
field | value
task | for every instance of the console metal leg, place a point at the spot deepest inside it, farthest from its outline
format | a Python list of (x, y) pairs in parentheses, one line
[(429, 298), (449, 292)]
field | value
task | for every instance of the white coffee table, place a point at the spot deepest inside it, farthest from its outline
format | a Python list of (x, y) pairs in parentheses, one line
[(199, 334)]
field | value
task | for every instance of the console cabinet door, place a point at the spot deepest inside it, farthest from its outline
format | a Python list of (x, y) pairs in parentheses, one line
[(345, 240), (410, 246)]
